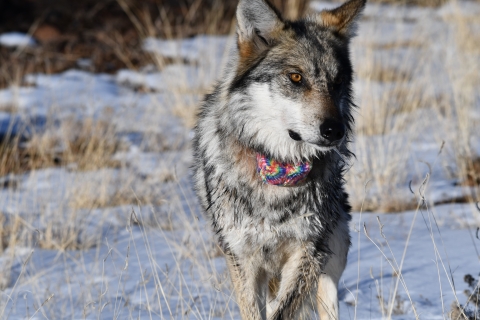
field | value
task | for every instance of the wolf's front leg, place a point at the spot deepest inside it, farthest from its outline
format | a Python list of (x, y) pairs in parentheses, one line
[(298, 284), (327, 296), (250, 300)]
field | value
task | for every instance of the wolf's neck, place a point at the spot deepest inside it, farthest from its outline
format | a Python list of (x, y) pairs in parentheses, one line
[(282, 174)]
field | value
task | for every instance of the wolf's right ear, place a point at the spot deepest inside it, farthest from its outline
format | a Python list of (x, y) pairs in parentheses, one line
[(258, 23), (343, 19)]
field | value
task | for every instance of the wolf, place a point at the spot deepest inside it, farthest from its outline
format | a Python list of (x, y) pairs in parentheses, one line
[(270, 151)]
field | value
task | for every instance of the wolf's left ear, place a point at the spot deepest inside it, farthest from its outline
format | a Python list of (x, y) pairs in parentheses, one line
[(258, 22), (343, 19)]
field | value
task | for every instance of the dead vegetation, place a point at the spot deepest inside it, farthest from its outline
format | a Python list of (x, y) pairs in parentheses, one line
[(421, 3), (90, 198), (106, 35), (398, 308), (87, 145), (66, 32), (471, 310), (55, 235), (385, 74), (186, 18), (471, 171)]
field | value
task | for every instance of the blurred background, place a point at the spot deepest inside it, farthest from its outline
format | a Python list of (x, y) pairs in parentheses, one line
[(109, 32), (98, 217)]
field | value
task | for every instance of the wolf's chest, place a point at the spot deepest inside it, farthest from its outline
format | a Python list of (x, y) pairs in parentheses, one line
[(252, 237)]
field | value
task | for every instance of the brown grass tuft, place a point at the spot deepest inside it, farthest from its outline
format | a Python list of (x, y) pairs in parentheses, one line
[(385, 74), (88, 145), (91, 145), (57, 234), (472, 172), (421, 3), (90, 199)]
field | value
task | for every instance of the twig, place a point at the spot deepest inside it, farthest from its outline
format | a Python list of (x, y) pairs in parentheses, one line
[(44, 302), (394, 268), (410, 187), (398, 269), (358, 243), (24, 266)]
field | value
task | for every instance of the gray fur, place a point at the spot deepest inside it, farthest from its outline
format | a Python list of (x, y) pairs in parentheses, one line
[(295, 237)]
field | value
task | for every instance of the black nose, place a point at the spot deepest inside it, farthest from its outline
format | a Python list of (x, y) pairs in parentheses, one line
[(332, 130)]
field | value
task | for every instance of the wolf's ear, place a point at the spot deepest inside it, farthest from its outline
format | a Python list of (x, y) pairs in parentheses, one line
[(343, 19), (258, 22)]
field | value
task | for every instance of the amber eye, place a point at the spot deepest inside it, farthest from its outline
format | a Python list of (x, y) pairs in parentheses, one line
[(295, 77)]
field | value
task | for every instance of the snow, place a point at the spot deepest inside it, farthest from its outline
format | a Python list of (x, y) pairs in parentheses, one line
[(321, 5), (16, 39), (465, 9), (172, 77), (150, 254), (434, 256), (194, 49)]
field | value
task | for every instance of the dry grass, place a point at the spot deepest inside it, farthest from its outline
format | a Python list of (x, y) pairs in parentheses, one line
[(88, 145), (90, 198), (60, 234), (108, 33), (402, 104), (471, 171), (419, 3), (398, 308), (381, 73), (96, 31), (9, 232), (186, 18), (471, 311)]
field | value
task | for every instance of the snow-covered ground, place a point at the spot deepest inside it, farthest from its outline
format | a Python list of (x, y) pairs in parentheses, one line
[(150, 253), (16, 39)]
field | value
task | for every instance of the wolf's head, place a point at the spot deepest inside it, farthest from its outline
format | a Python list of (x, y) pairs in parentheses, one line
[(290, 95)]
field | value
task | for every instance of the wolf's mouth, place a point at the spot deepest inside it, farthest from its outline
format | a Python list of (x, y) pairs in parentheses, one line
[(328, 146)]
